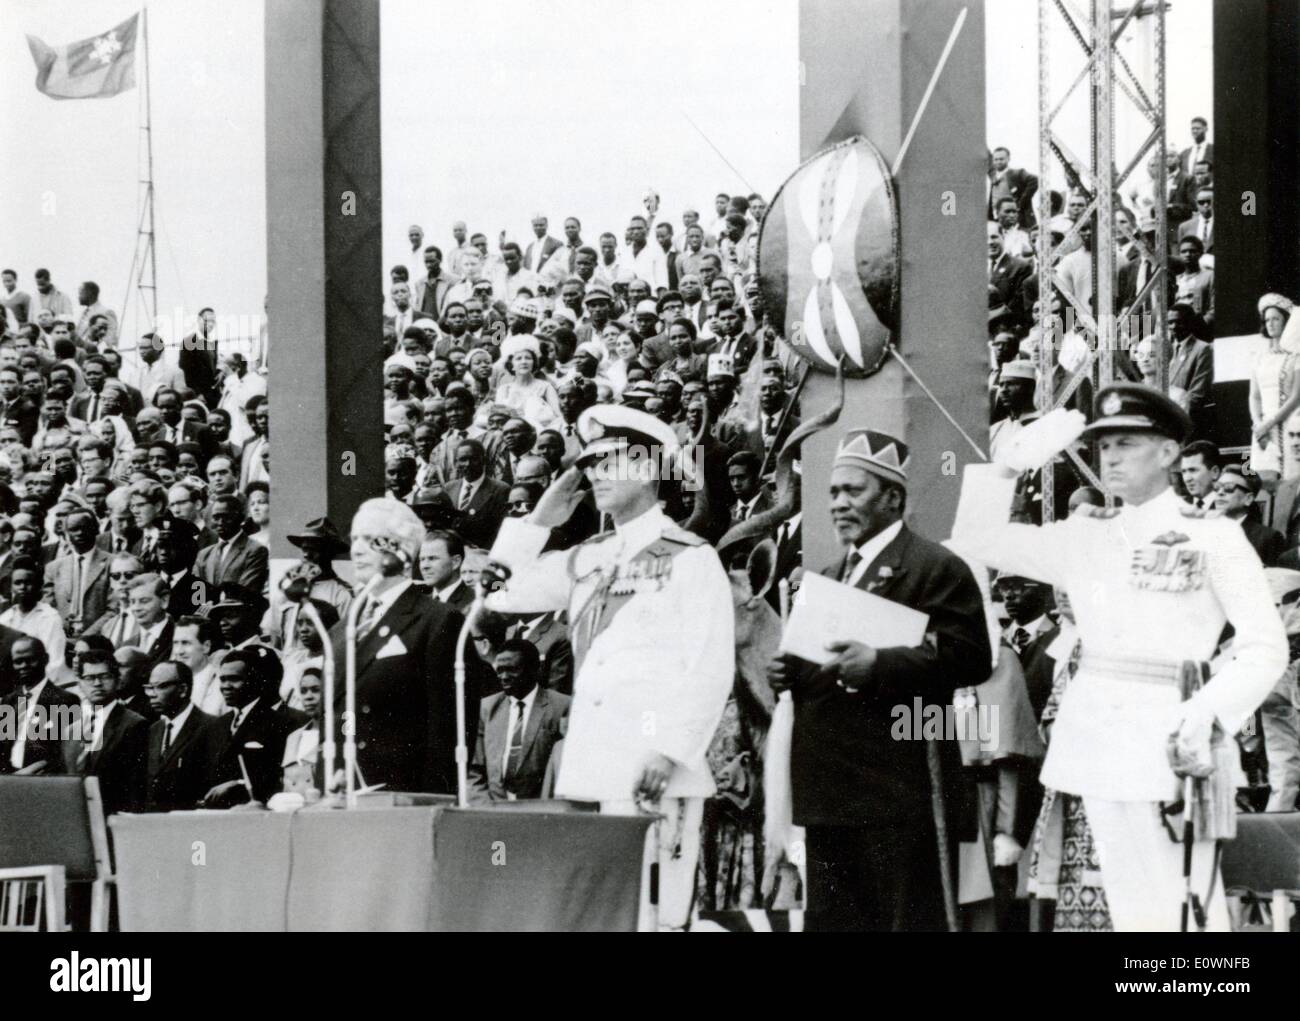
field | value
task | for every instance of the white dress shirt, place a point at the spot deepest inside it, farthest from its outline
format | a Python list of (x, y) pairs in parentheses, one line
[(206, 692), (872, 548), (43, 622), (19, 748)]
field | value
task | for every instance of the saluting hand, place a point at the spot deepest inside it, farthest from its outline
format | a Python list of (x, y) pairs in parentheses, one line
[(559, 501)]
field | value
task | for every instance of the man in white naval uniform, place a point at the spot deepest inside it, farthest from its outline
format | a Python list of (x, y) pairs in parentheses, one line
[(653, 639), (1151, 583)]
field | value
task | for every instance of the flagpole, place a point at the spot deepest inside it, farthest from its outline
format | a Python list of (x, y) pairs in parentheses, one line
[(148, 127)]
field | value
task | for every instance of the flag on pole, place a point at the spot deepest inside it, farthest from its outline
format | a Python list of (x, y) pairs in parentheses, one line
[(100, 66)]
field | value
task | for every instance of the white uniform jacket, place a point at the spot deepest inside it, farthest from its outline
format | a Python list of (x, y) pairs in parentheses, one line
[(656, 674), (1151, 582)]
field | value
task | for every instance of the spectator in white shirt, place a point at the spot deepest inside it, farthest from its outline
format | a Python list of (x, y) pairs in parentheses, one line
[(646, 261), (28, 615)]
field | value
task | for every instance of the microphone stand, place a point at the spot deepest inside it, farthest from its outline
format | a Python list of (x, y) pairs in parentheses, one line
[(350, 689)]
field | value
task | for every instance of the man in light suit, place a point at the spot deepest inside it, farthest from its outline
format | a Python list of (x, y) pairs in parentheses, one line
[(543, 248), (115, 740), (1016, 183), (1202, 224), (182, 742), (517, 728), (482, 502), (77, 584), (234, 556), (406, 698), (865, 797)]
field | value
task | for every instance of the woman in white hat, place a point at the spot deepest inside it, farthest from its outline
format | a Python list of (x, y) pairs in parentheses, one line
[(530, 396), (1274, 390)]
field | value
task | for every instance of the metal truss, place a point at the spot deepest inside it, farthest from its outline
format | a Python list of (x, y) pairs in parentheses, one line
[(1100, 178)]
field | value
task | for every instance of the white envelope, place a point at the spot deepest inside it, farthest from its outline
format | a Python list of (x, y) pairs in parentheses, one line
[(827, 611), (393, 647)]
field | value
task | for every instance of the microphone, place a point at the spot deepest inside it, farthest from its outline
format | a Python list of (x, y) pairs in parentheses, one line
[(492, 576)]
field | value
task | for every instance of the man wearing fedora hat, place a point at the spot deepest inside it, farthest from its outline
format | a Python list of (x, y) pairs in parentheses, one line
[(644, 709), (867, 800), (321, 545), (1151, 584)]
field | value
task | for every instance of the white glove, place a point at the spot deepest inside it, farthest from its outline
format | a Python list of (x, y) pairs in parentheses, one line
[(1189, 744), (1005, 850), (1037, 443)]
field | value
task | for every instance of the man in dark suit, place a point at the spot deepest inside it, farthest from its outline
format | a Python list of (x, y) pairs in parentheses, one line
[(147, 598), (77, 584), (1006, 181), (250, 737), (1191, 369), (1006, 273), (234, 556), (431, 292), (517, 728), (115, 740), (1030, 633), (88, 406), (482, 502), (751, 496), (49, 747), (864, 796), (198, 360), (1235, 493), (1200, 151), (181, 742), (550, 635), (441, 555), (406, 645)]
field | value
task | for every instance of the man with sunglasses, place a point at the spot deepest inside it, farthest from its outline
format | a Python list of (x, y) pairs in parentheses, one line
[(1235, 493), (644, 709)]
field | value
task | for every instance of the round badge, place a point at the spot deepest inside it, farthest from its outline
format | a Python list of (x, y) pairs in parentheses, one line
[(1111, 405)]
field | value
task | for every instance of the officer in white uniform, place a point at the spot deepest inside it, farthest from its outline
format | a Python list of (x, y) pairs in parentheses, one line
[(652, 628), (1152, 584)]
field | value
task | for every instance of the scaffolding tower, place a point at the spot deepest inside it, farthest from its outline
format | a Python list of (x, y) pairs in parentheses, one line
[(1102, 63)]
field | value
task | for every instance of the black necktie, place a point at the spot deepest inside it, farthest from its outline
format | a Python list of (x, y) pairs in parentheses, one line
[(167, 736), (850, 565), (1019, 639)]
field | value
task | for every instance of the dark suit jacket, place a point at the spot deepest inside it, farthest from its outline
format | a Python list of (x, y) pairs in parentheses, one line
[(1189, 228), (187, 596), (1193, 371), (198, 362), (459, 598), (1023, 187), (121, 761), (58, 586), (1039, 669), (1268, 543), (486, 782), (1284, 515), (549, 247), (178, 780), (58, 756), (8, 636), (79, 407), (1186, 153), (846, 766), (259, 741), (406, 698), (551, 637), (248, 564), (1006, 277), (481, 521)]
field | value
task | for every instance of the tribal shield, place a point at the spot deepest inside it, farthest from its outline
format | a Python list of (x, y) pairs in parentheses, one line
[(828, 261)]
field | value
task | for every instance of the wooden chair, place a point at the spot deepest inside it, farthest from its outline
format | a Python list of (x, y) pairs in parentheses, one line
[(28, 895), (1264, 861), (57, 822)]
